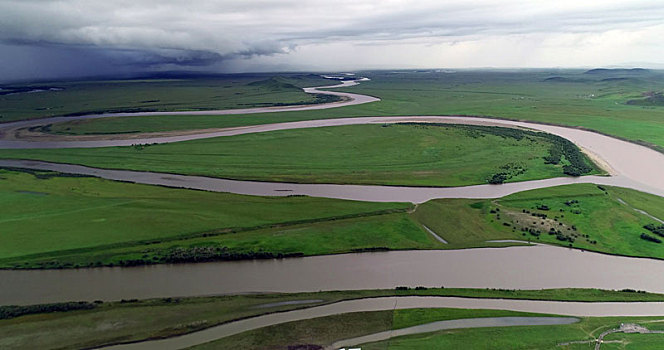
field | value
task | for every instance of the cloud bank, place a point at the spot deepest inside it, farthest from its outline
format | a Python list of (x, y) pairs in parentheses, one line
[(100, 36)]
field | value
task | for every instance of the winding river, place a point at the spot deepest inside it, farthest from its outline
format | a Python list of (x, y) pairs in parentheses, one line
[(520, 267), (348, 99), (630, 165), (525, 267)]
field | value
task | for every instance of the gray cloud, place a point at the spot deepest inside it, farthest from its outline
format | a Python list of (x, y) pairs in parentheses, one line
[(151, 34)]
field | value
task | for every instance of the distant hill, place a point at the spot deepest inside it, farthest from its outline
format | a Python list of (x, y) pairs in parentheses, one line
[(617, 71), (274, 83), (558, 79)]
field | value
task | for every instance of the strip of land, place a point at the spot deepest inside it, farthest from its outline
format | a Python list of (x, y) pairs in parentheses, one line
[(401, 154), (95, 324), (82, 222)]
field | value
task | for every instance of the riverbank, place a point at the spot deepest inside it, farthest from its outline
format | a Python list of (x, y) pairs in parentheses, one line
[(133, 320), (73, 206), (425, 155)]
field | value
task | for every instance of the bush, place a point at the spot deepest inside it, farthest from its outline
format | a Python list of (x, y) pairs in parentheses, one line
[(658, 230), (497, 179), (11, 311), (650, 238)]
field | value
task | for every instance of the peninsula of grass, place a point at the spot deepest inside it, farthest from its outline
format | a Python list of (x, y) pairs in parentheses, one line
[(396, 154), (54, 220), (597, 218), (49, 215), (617, 103), (30, 101), (106, 323)]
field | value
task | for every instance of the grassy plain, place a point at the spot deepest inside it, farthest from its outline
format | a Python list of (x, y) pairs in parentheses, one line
[(114, 322), (609, 217), (419, 155), (46, 215), (601, 101), (201, 93), (53, 221)]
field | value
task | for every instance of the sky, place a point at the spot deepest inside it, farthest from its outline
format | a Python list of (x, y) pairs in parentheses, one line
[(44, 39)]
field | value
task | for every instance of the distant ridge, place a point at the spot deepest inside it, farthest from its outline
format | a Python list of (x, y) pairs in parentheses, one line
[(274, 83), (617, 70), (558, 79)]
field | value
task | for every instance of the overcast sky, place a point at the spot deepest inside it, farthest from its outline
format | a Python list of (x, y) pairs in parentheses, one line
[(51, 38)]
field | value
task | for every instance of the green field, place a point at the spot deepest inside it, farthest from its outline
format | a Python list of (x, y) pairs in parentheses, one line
[(602, 220), (420, 155), (113, 322), (202, 93), (47, 215), (605, 101), (67, 221), (611, 226)]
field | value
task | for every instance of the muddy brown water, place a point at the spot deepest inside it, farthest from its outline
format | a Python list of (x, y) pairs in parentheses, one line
[(632, 165), (526, 267), (352, 192)]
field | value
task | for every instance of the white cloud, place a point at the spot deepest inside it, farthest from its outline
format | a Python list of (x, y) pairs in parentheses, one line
[(345, 34)]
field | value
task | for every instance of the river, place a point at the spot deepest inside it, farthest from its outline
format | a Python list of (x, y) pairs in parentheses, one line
[(523, 267), (631, 166)]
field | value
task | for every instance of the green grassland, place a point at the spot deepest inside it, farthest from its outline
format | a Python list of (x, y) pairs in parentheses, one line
[(203, 93), (414, 154), (114, 322), (619, 103), (52, 221), (605, 214), (46, 215), (587, 217)]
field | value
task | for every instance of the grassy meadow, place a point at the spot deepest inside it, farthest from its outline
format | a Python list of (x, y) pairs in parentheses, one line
[(413, 154), (148, 95), (616, 102), (49, 217), (586, 216), (53, 220), (599, 218)]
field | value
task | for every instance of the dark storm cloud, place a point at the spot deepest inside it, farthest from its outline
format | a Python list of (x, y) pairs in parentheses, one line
[(153, 34)]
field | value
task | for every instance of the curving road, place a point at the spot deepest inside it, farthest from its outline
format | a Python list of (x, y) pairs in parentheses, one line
[(391, 303)]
